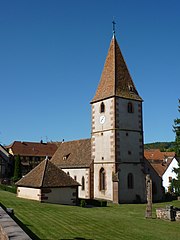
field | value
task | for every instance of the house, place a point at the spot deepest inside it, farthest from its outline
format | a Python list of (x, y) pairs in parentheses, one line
[(163, 163), (5, 164), (48, 183), (31, 153)]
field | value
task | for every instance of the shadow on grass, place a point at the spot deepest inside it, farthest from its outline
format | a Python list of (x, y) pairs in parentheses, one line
[(77, 238), (23, 226)]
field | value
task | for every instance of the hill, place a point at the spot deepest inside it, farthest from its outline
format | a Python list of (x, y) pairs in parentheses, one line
[(163, 146)]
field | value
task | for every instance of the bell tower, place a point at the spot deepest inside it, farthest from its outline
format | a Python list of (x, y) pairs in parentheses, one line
[(117, 133)]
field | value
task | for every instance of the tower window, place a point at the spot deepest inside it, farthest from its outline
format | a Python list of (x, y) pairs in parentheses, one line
[(130, 107), (102, 177), (130, 181), (83, 183), (102, 108)]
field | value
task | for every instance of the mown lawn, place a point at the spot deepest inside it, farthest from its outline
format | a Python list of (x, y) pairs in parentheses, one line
[(52, 221)]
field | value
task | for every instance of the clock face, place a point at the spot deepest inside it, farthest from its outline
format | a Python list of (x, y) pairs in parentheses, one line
[(102, 119)]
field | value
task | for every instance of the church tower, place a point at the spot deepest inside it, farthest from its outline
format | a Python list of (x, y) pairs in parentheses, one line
[(117, 133)]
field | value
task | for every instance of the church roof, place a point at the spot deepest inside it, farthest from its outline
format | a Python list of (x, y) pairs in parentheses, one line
[(73, 154), (46, 174), (115, 79)]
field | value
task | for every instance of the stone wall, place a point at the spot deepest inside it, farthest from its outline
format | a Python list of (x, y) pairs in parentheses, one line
[(9, 229), (168, 213)]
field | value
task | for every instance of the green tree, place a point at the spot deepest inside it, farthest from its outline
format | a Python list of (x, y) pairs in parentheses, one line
[(176, 129), (17, 169)]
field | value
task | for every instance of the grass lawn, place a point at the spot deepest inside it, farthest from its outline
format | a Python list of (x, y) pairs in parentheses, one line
[(126, 221)]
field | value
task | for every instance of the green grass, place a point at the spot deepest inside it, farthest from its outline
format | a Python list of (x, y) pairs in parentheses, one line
[(127, 221)]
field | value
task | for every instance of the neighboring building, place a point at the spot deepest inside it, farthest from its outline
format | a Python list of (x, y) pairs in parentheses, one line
[(47, 183), (31, 153), (163, 163), (5, 167)]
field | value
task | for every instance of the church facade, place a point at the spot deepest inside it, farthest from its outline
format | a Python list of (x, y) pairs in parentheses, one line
[(111, 164)]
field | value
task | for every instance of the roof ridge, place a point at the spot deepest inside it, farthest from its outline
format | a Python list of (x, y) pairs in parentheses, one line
[(44, 171)]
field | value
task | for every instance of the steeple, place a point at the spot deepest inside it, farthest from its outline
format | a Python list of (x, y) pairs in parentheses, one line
[(115, 79)]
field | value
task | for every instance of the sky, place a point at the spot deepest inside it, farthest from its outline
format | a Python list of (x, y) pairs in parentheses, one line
[(52, 54)]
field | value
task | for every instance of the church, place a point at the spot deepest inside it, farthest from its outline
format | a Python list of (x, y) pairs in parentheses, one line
[(111, 164)]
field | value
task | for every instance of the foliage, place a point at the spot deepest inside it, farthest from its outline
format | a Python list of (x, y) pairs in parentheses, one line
[(82, 203), (176, 129), (117, 222), (93, 202), (17, 169), (11, 189), (163, 146), (175, 184)]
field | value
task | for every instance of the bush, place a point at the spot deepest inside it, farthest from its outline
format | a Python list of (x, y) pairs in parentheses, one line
[(93, 202), (82, 203), (12, 189)]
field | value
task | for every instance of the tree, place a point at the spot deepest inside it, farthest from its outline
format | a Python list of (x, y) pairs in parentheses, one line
[(176, 128), (175, 184), (17, 169)]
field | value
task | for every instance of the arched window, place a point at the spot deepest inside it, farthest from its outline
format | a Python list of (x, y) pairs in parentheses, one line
[(154, 188), (130, 181), (130, 107), (102, 179), (102, 108), (83, 183)]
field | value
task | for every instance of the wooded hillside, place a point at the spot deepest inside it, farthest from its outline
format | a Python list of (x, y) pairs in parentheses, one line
[(163, 146)]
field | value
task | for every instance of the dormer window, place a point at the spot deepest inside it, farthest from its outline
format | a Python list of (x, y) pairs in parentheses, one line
[(102, 108), (130, 107), (131, 88), (65, 157)]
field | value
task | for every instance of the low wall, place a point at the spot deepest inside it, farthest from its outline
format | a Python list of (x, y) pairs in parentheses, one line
[(168, 213), (9, 229)]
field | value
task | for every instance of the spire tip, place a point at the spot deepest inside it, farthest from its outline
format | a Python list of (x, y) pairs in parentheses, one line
[(113, 26)]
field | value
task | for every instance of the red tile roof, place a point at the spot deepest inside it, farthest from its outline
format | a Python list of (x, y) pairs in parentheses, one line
[(159, 160), (46, 174), (115, 78), (32, 148)]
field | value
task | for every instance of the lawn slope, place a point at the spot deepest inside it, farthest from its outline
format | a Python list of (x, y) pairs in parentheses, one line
[(126, 222)]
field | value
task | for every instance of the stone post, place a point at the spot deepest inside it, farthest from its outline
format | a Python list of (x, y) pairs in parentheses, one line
[(148, 213)]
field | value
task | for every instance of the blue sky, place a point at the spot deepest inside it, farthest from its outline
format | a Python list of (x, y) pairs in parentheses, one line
[(52, 54)]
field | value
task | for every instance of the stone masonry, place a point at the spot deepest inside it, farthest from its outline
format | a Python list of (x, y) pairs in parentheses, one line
[(9, 229)]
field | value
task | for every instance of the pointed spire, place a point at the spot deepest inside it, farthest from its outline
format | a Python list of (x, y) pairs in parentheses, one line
[(115, 79)]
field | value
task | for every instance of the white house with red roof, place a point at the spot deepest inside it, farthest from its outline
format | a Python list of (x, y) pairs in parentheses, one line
[(163, 163)]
